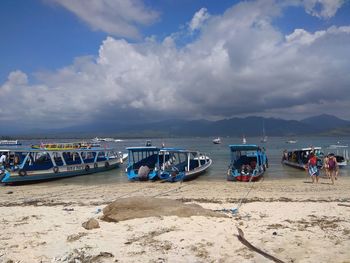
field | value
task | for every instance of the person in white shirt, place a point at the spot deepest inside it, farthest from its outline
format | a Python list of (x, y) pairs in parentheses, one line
[(3, 159)]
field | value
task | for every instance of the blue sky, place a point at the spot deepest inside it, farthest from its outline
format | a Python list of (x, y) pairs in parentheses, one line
[(184, 56)]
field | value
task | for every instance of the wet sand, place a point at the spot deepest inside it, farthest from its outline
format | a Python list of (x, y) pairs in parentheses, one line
[(291, 219)]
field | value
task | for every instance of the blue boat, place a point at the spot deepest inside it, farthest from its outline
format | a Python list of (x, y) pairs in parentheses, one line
[(29, 165), (182, 165), (248, 163), (143, 163), (168, 164)]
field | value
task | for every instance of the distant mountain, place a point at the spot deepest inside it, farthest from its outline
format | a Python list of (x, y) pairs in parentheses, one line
[(249, 126), (325, 122)]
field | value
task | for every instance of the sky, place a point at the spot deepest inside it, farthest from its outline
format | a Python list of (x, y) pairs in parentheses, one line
[(75, 62)]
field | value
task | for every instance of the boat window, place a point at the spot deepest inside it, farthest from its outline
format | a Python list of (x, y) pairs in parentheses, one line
[(58, 159), (88, 156), (101, 156), (71, 158)]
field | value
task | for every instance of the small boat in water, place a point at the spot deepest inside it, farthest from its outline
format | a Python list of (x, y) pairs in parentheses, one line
[(66, 146), (182, 165), (9, 143), (248, 163), (28, 164), (298, 158), (168, 164), (217, 140), (244, 140), (291, 141)]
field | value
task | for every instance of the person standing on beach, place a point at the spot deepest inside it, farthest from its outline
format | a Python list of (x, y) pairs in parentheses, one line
[(326, 166), (311, 167), (332, 167), (3, 159)]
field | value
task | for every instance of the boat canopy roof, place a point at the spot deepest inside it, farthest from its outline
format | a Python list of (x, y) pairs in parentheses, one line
[(29, 149), (143, 148), (243, 147), (306, 149), (174, 150)]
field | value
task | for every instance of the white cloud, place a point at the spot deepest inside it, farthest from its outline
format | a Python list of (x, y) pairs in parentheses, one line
[(240, 64), (322, 8), (115, 17), (198, 19)]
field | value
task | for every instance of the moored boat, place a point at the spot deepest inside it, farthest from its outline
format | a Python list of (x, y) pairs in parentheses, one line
[(217, 140), (66, 146), (28, 164), (182, 165), (248, 163), (10, 142), (168, 164), (298, 158), (143, 163)]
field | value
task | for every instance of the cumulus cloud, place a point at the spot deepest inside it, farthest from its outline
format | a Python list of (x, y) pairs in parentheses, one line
[(116, 17), (240, 64), (198, 19), (322, 8)]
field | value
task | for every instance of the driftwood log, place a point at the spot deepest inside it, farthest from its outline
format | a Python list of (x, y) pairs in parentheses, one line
[(245, 242), (344, 205)]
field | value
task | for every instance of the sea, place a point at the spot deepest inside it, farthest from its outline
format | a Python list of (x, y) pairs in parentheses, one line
[(219, 153)]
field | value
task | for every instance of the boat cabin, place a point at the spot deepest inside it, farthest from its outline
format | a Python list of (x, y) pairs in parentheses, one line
[(143, 163), (247, 161)]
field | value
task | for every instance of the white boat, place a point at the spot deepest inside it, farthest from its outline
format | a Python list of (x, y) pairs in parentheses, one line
[(9, 142), (97, 139), (244, 140), (217, 140), (291, 141)]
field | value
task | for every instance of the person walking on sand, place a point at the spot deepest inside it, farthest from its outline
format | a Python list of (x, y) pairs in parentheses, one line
[(311, 167), (326, 166), (332, 167)]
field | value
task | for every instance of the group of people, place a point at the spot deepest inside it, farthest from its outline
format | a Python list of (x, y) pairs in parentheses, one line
[(330, 166)]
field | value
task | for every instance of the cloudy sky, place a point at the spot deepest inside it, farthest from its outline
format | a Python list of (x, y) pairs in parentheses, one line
[(70, 62)]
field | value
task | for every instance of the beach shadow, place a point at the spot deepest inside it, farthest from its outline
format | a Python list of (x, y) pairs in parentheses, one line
[(326, 183), (307, 182)]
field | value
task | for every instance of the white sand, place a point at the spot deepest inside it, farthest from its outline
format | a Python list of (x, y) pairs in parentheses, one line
[(42, 223)]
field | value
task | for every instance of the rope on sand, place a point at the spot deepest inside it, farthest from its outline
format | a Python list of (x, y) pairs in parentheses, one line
[(172, 190), (245, 242), (234, 211)]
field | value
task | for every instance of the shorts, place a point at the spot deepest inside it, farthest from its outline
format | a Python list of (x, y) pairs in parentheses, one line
[(313, 170)]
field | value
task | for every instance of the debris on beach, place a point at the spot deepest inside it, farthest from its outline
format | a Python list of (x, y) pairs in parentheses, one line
[(91, 224), (83, 255), (141, 207)]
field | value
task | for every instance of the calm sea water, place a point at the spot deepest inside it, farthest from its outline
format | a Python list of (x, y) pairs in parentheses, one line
[(218, 152)]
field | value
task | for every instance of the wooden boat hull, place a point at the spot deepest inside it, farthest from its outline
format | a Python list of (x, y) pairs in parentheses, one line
[(245, 178), (15, 177), (294, 164), (186, 176)]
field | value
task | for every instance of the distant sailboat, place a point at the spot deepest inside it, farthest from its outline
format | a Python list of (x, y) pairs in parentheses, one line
[(264, 137), (244, 140)]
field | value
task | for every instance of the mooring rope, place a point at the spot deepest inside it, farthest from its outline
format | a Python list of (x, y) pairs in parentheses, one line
[(172, 190)]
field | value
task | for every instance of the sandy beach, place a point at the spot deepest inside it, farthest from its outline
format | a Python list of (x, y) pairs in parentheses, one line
[(292, 220)]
